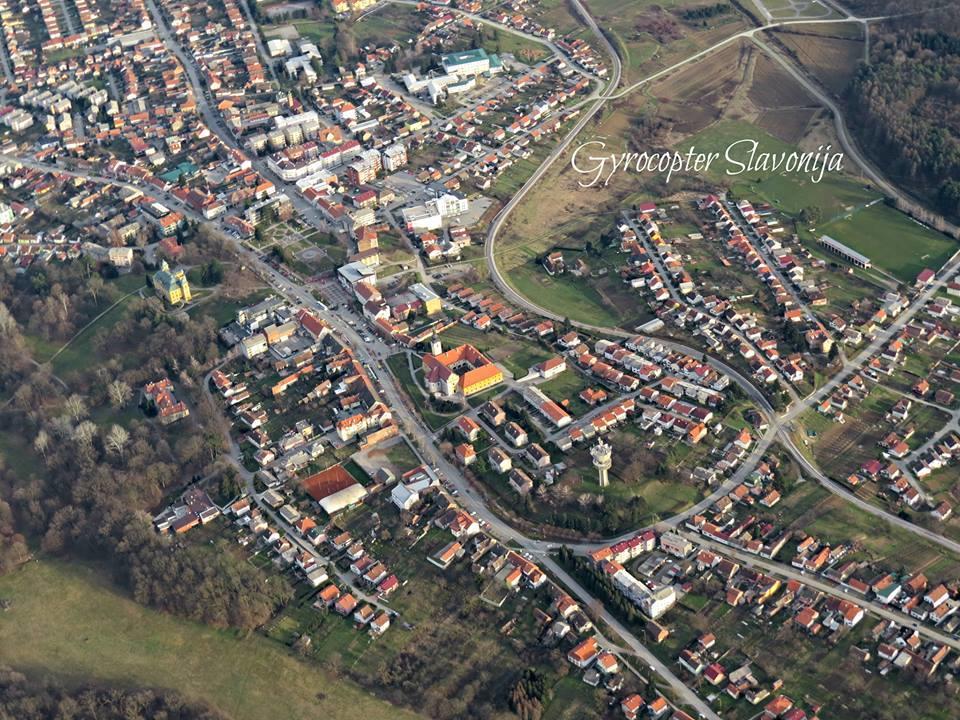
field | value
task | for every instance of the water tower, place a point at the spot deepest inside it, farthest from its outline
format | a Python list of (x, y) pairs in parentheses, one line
[(602, 455)]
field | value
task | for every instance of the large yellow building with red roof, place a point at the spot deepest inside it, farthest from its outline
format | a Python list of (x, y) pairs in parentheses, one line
[(464, 370)]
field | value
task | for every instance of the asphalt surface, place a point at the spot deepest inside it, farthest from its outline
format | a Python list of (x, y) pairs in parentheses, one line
[(372, 353)]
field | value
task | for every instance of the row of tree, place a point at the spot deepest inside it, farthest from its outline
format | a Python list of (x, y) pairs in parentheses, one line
[(25, 700)]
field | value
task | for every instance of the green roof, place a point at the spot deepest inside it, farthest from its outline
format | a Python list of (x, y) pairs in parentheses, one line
[(184, 168), (467, 56)]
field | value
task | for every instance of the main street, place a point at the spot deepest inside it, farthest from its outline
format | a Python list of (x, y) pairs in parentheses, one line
[(371, 356), (372, 353), (214, 120)]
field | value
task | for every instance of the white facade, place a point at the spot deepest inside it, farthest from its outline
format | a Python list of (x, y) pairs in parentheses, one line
[(653, 603), (394, 157)]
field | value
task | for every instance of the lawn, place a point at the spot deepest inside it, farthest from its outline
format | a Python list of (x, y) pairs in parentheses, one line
[(598, 299), (65, 621), (402, 456), (514, 177), (79, 353), (390, 22), (224, 310), (524, 50), (401, 370), (320, 32), (514, 353), (892, 240), (567, 386), (833, 520), (18, 455), (71, 358), (835, 194), (564, 295), (850, 214), (570, 701)]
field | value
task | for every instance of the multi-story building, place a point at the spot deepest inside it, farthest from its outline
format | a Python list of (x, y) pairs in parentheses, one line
[(172, 285), (463, 370), (394, 157), (471, 62)]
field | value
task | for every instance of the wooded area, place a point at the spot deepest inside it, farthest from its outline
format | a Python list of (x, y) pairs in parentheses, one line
[(21, 699), (94, 469), (906, 110)]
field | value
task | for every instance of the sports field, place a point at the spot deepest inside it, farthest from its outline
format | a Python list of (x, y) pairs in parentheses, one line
[(892, 240)]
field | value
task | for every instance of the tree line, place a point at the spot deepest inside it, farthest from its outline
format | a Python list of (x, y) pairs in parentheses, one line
[(23, 699)]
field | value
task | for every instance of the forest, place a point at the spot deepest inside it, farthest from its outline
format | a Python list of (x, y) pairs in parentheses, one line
[(22, 699), (905, 108), (93, 468)]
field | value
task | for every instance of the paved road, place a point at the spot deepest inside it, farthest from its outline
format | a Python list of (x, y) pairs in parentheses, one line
[(849, 146), (783, 571), (507, 29), (689, 697), (783, 423), (258, 39), (372, 353), (216, 124)]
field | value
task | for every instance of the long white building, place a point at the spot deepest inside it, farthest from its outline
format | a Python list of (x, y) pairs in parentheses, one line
[(652, 603), (430, 215)]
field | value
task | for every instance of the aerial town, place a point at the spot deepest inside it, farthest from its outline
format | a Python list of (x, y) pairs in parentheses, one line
[(329, 388)]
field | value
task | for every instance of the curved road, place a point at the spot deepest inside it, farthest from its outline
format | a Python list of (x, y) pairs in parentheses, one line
[(411, 422)]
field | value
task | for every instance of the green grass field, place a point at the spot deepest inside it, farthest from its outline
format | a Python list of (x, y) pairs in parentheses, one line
[(18, 455), (401, 370), (514, 353), (834, 521), (892, 240), (224, 310), (391, 22), (835, 194), (78, 353), (849, 214), (563, 294), (66, 622), (567, 386)]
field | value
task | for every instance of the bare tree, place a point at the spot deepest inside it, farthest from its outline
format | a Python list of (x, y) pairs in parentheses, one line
[(116, 440), (41, 442), (119, 393), (76, 406), (8, 324), (61, 297), (85, 432), (61, 426), (95, 287)]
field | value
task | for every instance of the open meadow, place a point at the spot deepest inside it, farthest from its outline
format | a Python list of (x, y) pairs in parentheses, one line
[(67, 622)]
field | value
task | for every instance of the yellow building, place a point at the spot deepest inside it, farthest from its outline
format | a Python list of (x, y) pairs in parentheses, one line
[(464, 369), (172, 285), (431, 301)]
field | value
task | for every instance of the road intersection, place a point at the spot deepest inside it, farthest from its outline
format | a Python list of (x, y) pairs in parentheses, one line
[(372, 354)]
